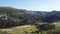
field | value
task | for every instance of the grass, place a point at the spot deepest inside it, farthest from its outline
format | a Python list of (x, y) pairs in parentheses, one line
[(22, 30), (28, 29)]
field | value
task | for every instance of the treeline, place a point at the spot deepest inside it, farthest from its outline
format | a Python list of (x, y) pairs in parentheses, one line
[(6, 22)]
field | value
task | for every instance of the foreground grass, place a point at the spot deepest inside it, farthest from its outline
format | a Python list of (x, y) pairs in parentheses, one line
[(28, 29), (23, 30), (20, 30)]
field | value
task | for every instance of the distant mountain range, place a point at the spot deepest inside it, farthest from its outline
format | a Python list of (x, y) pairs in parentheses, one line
[(31, 15)]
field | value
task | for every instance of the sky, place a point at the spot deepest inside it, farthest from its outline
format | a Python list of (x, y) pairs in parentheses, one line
[(36, 5)]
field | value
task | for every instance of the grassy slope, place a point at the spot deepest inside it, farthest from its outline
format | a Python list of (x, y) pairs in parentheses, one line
[(20, 29), (27, 29)]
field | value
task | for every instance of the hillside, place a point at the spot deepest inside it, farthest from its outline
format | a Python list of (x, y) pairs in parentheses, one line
[(21, 21), (10, 16), (15, 17)]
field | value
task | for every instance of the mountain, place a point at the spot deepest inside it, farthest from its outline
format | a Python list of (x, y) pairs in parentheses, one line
[(14, 17), (22, 13), (10, 16), (52, 16)]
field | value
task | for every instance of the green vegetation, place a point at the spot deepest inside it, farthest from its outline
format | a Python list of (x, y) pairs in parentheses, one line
[(18, 21), (21, 30), (30, 30)]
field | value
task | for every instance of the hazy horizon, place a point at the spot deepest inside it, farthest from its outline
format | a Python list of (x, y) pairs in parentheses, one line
[(35, 5)]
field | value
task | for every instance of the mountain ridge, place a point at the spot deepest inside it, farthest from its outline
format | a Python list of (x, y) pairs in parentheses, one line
[(14, 17)]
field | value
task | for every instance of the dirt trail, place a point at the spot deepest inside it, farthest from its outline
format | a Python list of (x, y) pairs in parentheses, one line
[(17, 27)]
